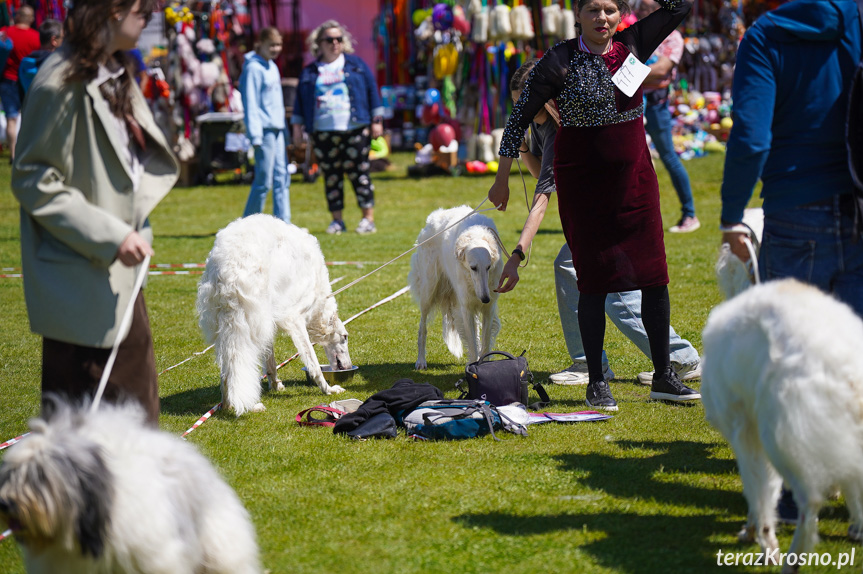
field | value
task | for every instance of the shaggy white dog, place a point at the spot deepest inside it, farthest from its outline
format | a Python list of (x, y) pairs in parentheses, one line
[(265, 275), (100, 493), (455, 272), (782, 382)]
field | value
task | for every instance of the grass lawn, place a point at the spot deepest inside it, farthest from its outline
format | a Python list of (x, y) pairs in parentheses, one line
[(655, 489)]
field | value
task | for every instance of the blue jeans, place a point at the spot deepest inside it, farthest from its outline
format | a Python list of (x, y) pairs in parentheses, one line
[(814, 243), (271, 172), (659, 127), (624, 310)]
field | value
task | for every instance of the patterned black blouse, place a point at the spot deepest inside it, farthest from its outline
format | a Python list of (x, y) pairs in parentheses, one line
[(580, 81)]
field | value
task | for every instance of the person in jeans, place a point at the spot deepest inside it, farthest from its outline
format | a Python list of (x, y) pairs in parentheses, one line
[(791, 85), (25, 41), (623, 308), (264, 108), (338, 103), (663, 63)]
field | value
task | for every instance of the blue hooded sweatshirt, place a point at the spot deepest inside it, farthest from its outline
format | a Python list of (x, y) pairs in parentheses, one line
[(263, 103), (791, 84)]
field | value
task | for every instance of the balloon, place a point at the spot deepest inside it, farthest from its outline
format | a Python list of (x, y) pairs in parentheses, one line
[(441, 136), (432, 96), (442, 16), (476, 166), (431, 114), (726, 123), (420, 15), (492, 166), (459, 22)]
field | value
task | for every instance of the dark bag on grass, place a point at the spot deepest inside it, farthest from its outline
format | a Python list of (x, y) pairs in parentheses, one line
[(382, 425), (501, 382)]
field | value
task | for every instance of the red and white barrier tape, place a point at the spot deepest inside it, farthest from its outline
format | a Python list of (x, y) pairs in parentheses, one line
[(178, 265), (151, 273), (202, 420), (186, 360), (12, 441), (5, 535)]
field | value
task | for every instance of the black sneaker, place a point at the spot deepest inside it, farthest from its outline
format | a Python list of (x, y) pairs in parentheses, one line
[(669, 388), (599, 396)]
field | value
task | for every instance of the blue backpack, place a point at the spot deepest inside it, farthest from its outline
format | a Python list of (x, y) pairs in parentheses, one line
[(450, 419)]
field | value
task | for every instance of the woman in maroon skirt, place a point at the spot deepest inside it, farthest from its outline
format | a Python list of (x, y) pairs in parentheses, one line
[(608, 195)]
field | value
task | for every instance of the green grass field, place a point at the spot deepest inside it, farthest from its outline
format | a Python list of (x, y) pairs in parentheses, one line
[(655, 489)]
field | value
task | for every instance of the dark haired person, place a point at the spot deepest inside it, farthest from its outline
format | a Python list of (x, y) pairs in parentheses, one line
[(91, 166), (50, 38), (608, 195)]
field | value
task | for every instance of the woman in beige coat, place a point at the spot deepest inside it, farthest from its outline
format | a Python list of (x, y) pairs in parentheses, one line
[(90, 167)]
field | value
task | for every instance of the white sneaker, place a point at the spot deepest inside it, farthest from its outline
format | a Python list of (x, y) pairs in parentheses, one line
[(688, 372), (576, 374), (366, 226)]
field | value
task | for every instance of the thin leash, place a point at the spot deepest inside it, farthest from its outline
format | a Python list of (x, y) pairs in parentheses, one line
[(124, 324), (394, 259)]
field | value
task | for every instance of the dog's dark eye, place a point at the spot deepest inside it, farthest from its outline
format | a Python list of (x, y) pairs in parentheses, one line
[(487, 268), (473, 267)]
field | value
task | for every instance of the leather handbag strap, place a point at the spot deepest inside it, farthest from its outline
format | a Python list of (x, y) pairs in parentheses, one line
[(504, 353)]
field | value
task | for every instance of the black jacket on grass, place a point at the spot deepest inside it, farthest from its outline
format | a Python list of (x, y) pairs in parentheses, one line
[(405, 395)]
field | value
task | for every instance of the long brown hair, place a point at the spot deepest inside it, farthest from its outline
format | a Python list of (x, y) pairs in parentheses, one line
[(87, 34)]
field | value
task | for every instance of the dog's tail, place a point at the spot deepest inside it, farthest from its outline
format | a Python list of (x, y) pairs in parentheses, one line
[(450, 332)]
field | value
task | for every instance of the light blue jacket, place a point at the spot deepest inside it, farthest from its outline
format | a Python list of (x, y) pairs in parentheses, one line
[(263, 103), (790, 93)]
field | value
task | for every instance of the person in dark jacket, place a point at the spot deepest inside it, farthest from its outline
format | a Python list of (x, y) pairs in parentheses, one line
[(50, 38), (338, 103), (791, 85)]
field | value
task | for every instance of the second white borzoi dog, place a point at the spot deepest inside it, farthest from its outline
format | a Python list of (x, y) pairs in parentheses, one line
[(265, 275), (101, 492), (781, 382), (457, 272)]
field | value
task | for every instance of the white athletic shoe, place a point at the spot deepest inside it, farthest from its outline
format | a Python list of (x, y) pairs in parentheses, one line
[(688, 372), (576, 374)]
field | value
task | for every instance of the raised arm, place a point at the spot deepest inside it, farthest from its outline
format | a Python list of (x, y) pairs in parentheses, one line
[(643, 37)]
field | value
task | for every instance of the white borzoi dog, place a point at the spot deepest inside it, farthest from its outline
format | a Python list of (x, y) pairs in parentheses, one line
[(265, 275), (101, 492), (782, 382), (457, 272)]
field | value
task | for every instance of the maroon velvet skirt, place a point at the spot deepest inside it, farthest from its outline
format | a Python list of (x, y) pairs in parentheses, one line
[(608, 199)]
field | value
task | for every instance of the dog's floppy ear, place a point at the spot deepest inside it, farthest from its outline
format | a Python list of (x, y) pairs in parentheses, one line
[(97, 496)]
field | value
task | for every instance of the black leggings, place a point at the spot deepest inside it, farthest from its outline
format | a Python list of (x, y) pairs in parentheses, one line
[(340, 154), (655, 313)]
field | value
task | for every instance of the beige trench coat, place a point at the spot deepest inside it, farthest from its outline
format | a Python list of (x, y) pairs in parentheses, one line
[(77, 205)]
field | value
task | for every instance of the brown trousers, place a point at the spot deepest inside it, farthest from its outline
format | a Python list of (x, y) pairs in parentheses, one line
[(73, 371)]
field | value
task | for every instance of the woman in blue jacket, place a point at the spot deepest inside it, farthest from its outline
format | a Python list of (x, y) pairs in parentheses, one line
[(338, 104)]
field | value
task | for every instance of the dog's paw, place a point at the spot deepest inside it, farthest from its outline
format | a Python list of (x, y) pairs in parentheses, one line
[(334, 390), (421, 365), (746, 534), (278, 386), (258, 408)]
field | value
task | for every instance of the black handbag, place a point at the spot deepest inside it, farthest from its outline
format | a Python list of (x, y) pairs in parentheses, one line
[(501, 382)]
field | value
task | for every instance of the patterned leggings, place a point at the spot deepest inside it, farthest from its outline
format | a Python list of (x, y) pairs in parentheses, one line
[(340, 154)]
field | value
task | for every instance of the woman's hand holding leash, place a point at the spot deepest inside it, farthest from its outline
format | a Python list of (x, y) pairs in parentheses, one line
[(133, 250)]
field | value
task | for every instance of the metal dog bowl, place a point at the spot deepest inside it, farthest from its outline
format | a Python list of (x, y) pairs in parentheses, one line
[(334, 377)]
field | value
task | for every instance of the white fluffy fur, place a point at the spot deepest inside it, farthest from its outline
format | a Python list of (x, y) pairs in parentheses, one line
[(103, 494), (265, 275), (782, 382), (457, 272)]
